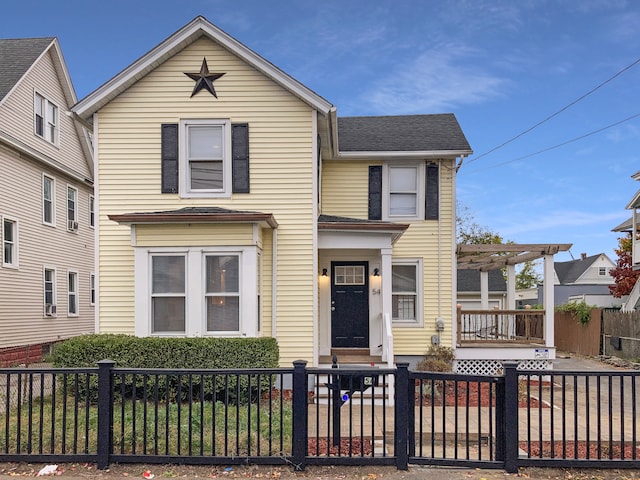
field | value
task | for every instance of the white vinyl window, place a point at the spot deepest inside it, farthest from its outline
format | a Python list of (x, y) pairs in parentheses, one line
[(9, 242), (197, 291), (72, 208), (92, 211), (45, 119), (222, 293), (49, 285), (404, 192), (48, 200), (602, 271), (168, 293), (205, 158), (406, 303), (92, 289), (72, 293)]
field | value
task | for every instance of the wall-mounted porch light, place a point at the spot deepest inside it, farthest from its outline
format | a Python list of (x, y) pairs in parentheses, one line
[(376, 272), (324, 272)]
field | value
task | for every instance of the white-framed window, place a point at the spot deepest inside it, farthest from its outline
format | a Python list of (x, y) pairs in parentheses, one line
[(45, 119), (92, 211), (196, 291), (48, 200), (9, 242), (168, 293), (72, 209), (49, 285), (72, 293), (403, 191), (222, 293), (92, 288), (205, 158), (349, 275), (602, 271), (406, 285)]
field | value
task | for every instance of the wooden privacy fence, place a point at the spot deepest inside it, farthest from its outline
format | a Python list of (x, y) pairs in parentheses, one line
[(575, 337), (621, 334)]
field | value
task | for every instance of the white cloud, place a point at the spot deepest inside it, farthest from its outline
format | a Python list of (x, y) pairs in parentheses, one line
[(435, 81)]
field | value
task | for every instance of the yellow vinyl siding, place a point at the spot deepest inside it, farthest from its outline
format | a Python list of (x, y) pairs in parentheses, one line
[(194, 235), (345, 188), (281, 163), (421, 240)]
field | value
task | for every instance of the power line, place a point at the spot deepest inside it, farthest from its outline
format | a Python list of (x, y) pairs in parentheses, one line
[(556, 113), (575, 139)]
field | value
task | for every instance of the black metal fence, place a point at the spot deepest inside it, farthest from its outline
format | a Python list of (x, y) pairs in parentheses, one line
[(302, 416)]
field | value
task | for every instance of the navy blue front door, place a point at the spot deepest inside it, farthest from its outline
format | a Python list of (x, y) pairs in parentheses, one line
[(349, 304)]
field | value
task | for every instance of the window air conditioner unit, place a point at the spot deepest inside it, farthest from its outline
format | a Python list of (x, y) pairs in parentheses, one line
[(72, 225), (50, 310)]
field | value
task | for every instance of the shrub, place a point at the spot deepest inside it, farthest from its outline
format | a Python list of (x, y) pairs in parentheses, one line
[(579, 310), (437, 359), (175, 353)]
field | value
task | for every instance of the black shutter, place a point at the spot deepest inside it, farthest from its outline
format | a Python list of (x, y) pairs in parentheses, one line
[(432, 197), (375, 192), (169, 137), (240, 154)]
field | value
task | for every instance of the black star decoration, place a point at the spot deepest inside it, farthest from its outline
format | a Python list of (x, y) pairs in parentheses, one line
[(204, 79)]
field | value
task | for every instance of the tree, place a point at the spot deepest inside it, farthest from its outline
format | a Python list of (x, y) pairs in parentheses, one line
[(623, 274), (469, 232)]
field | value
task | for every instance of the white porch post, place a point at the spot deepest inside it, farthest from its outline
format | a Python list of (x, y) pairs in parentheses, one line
[(548, 301), (511, 287), (385, 276), (484, 290)]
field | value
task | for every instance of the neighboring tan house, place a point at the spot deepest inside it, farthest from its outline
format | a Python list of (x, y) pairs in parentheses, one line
[(234, 202), (585, 279), (469, 295), (47, 274)]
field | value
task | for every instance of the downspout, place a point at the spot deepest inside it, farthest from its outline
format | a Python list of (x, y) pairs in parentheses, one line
[(274, 277)]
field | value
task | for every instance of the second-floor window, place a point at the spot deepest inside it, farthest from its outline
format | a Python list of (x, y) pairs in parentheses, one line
[(45, 119), (72, 207), (205, 164), (48, 200), (9, 243), (92, 211), (404, 186)]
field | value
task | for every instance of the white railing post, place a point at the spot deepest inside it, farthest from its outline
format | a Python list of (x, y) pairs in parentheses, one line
[(387, 353)]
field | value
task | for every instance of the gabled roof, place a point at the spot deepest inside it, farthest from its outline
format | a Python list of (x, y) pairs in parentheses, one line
[(16, 57), (438, 134), (469, 281), (570, 271), (184, 37), (625, 226)]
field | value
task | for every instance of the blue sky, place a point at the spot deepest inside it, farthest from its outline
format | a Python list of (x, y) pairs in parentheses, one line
[(501, 66)]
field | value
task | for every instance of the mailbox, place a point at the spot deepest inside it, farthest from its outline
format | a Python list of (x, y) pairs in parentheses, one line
[(358, 382)]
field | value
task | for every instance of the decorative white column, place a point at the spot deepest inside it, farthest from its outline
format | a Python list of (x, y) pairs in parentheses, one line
[(484, 290), (549, 307), (511, 287)]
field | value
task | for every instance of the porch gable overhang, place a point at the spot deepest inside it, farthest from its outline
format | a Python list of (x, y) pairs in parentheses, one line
[(196, 215), (351, 231)]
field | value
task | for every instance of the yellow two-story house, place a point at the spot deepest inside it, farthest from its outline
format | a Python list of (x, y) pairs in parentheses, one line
[(233, 201)]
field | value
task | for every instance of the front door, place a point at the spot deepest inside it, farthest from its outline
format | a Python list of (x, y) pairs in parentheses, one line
[(349, 304)]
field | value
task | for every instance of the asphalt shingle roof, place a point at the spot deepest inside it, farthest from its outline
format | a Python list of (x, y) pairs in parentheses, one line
[(569, 272), (403, 133), (16, 56), (469, 281)]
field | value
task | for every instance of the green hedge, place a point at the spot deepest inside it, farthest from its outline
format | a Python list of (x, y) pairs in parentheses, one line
[(175, 353)]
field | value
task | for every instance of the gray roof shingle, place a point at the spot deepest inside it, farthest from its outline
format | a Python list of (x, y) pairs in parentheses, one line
[(402, 133), (16, 56), (469, 281), (569, 272)]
